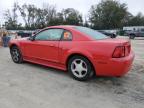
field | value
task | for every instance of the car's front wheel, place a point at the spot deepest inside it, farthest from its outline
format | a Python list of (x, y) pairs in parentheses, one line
[(80, 68), (16, 54)]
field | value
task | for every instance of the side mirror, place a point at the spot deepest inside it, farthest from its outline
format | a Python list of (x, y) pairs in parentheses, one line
[(31, 38)]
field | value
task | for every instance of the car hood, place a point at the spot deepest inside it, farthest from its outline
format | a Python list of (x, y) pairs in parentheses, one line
[(23, 38), (18, 40)]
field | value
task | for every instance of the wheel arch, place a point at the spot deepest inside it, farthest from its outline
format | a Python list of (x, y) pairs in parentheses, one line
[(16, 45), (13, 45)]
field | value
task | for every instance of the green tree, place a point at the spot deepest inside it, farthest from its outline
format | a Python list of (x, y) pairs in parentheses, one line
[(28, 13), (137, 20), (35, 18), (71, 17), (108, 14), (11, 18)]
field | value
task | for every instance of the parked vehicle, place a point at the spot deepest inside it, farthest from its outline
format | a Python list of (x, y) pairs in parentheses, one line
[(81, 51), (112, 35), (133, 34), (36, 31), (24, 34)]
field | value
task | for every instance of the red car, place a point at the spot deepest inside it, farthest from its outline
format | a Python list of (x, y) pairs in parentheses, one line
[(81, 51)]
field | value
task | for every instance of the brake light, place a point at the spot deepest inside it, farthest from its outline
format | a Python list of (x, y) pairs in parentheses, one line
[(127, 50), (119, 52)]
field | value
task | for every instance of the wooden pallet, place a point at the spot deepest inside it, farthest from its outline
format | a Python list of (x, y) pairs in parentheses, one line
[(0, 42)]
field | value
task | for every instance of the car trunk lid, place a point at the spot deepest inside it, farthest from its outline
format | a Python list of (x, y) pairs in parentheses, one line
[(122, 46)]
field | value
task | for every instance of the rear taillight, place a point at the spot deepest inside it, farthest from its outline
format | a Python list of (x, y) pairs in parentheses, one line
[(121, 51), (127, 50)]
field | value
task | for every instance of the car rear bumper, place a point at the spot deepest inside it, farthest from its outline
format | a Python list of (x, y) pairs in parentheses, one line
[(114, 66)]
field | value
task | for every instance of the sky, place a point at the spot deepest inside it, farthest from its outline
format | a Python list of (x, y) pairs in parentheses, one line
[(134, 6)]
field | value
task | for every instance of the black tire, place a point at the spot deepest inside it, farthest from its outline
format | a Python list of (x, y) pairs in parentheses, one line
[(114, 35), (86, 62), (16, 55), (132, 36)]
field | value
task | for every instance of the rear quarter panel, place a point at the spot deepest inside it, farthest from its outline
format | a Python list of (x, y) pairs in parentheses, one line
[(93, 50)]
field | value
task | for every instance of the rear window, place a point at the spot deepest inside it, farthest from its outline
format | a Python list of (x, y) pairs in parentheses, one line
[(92, 33)]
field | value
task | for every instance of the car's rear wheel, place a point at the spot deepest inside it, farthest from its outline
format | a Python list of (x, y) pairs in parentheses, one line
[(16, 54), (112, 36), (132, 36), (80, 68)]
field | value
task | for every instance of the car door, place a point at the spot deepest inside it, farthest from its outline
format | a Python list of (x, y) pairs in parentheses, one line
[(45, 46), (65, 45)]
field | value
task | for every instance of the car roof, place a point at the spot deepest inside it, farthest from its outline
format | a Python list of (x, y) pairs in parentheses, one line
[(62, 26), (68, 27)]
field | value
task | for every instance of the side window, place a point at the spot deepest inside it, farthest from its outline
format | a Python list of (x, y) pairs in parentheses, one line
[(67, 36), (50, 34)]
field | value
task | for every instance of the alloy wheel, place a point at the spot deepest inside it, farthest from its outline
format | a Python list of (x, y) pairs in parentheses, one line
[(79, 68), (15, 55)]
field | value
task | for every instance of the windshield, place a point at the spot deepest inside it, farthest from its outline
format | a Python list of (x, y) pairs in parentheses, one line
[(92, 33)]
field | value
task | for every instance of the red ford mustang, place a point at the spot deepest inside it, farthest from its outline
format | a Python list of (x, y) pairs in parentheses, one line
[(81, 51)]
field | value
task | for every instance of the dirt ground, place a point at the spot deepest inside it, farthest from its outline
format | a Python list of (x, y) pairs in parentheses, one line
[(33, 86)]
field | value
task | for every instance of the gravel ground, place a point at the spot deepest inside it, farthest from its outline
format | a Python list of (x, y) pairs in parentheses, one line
[(34, 86)]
